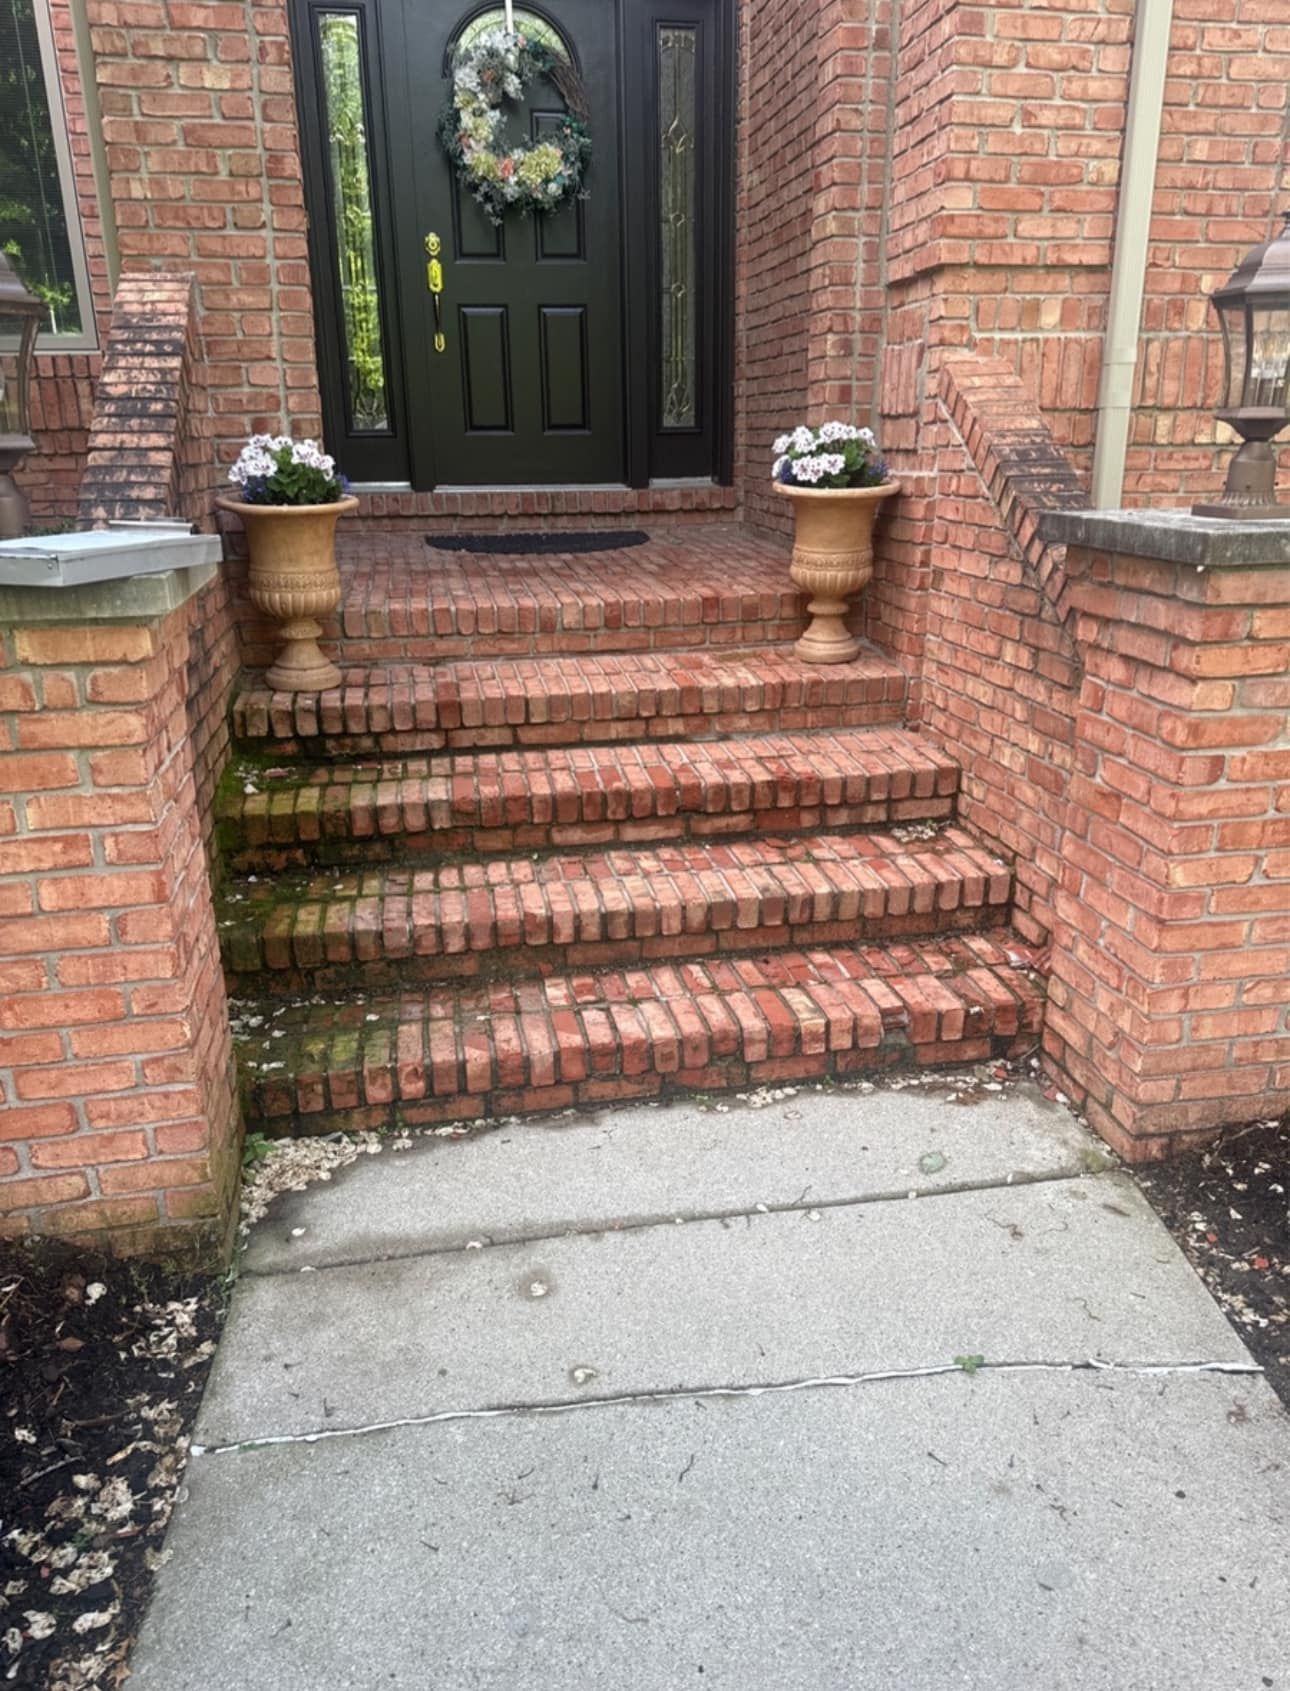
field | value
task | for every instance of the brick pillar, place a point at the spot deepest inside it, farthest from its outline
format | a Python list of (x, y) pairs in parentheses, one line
[(118, 1115), (1171, 934)]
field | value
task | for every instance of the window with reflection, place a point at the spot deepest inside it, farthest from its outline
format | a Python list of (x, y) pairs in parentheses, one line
[(39, 228)]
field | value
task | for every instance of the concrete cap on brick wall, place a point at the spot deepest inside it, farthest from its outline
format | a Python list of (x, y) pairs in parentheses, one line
[(136, 598), (1174, 536)]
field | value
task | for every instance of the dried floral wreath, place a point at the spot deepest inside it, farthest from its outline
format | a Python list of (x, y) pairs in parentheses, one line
[(497, 68)]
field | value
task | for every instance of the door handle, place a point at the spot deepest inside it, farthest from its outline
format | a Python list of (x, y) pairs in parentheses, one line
[(434, 281)]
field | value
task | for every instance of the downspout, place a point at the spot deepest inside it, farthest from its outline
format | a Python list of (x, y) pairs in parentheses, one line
[(1152, 24)]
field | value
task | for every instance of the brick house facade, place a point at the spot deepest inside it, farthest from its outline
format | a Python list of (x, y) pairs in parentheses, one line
[(910, 179), (923, 222)]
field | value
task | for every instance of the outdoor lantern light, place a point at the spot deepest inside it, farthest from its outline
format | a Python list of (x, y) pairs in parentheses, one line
[(21, 315), (1254, 313)]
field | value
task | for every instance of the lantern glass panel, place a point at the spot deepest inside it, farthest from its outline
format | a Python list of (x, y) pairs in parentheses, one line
[(17, 338), (1231, 319), (1268, 386), (8, 396)]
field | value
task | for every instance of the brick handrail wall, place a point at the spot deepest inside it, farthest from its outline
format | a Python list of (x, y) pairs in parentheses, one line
[(1017, 458), (150, 451)]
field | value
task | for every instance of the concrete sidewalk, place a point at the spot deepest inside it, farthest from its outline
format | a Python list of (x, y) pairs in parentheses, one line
[(669, 1397)]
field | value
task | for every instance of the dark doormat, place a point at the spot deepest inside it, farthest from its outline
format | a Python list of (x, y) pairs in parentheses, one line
[(535, 545)]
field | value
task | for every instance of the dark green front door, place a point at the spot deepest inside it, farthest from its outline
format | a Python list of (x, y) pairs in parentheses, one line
[(529, 386), (586, 347)]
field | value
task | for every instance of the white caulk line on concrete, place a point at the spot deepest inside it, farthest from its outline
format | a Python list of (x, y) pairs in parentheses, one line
[(691, 1394)]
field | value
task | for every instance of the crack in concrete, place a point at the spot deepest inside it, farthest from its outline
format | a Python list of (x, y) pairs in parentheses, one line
[(683, 1394), (670, 1218)]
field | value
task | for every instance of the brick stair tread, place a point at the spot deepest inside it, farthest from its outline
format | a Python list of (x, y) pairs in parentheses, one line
[(671, 900), (535, 700), (594, 794), (599, 1035)]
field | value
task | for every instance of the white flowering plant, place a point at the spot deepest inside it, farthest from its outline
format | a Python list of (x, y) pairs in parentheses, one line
[(277, 470), (832, 456)]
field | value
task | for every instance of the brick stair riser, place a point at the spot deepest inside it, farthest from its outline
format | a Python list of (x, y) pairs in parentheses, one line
[(402, 845), (596, 731), (715, 1032), (403, 711), (532, 801), (500, 918), (354, 645), (376, 965)]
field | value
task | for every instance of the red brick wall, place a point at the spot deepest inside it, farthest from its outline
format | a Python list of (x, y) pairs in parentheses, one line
[(779, 67), (980, 216), (149, 455), (149, 449), (117, 1111), (204, 161), (1171, 956), (1120, 721), (1005, 182), (1223, 173), (213, 663), (118, 1116), (1001, 668), (812, 162)]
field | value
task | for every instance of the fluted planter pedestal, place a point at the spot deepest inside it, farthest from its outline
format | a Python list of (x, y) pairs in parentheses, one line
[(294, 579), (832, 560)]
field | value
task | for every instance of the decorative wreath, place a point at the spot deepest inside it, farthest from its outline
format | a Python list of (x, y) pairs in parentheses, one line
[(498, 67)]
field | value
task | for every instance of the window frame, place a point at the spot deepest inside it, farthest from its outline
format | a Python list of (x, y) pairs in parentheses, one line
[(84, 339)]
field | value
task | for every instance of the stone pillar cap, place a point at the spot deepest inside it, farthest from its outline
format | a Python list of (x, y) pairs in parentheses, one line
[(1173, 536)]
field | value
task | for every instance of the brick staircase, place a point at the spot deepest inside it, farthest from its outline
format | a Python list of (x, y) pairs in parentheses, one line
[(603, 847)]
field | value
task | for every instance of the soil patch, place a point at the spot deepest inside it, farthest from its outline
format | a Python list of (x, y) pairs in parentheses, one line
[(1228, 1206), (102, 1366)]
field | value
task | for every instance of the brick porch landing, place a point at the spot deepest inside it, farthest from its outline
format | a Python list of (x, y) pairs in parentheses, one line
[(715, 585)]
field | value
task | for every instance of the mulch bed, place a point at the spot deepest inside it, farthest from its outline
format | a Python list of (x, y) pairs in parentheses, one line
[(1229, 1208), (102, 1365)]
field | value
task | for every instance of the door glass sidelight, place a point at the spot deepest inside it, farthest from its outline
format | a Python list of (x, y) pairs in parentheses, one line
[(677, 222), (679, 153), (356, 320), (353, 244)]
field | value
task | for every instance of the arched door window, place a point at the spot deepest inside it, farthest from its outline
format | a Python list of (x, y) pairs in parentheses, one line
[(527, 23)]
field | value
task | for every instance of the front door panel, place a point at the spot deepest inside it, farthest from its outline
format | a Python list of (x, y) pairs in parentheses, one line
[(529, 386)]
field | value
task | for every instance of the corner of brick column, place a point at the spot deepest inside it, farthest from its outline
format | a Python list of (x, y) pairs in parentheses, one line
[(119, 1120), (1171, 943)]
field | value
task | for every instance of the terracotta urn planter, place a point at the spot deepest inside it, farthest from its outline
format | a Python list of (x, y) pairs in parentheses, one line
[(832, 560), (294, 579)]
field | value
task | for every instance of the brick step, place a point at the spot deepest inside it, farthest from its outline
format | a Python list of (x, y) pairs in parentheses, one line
[(384, 926), (706, 694), (458, 1053), (717, 585), (588, 796)]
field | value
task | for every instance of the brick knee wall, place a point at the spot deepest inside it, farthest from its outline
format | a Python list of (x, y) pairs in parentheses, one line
[(119, 1118), (1171, 954)]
